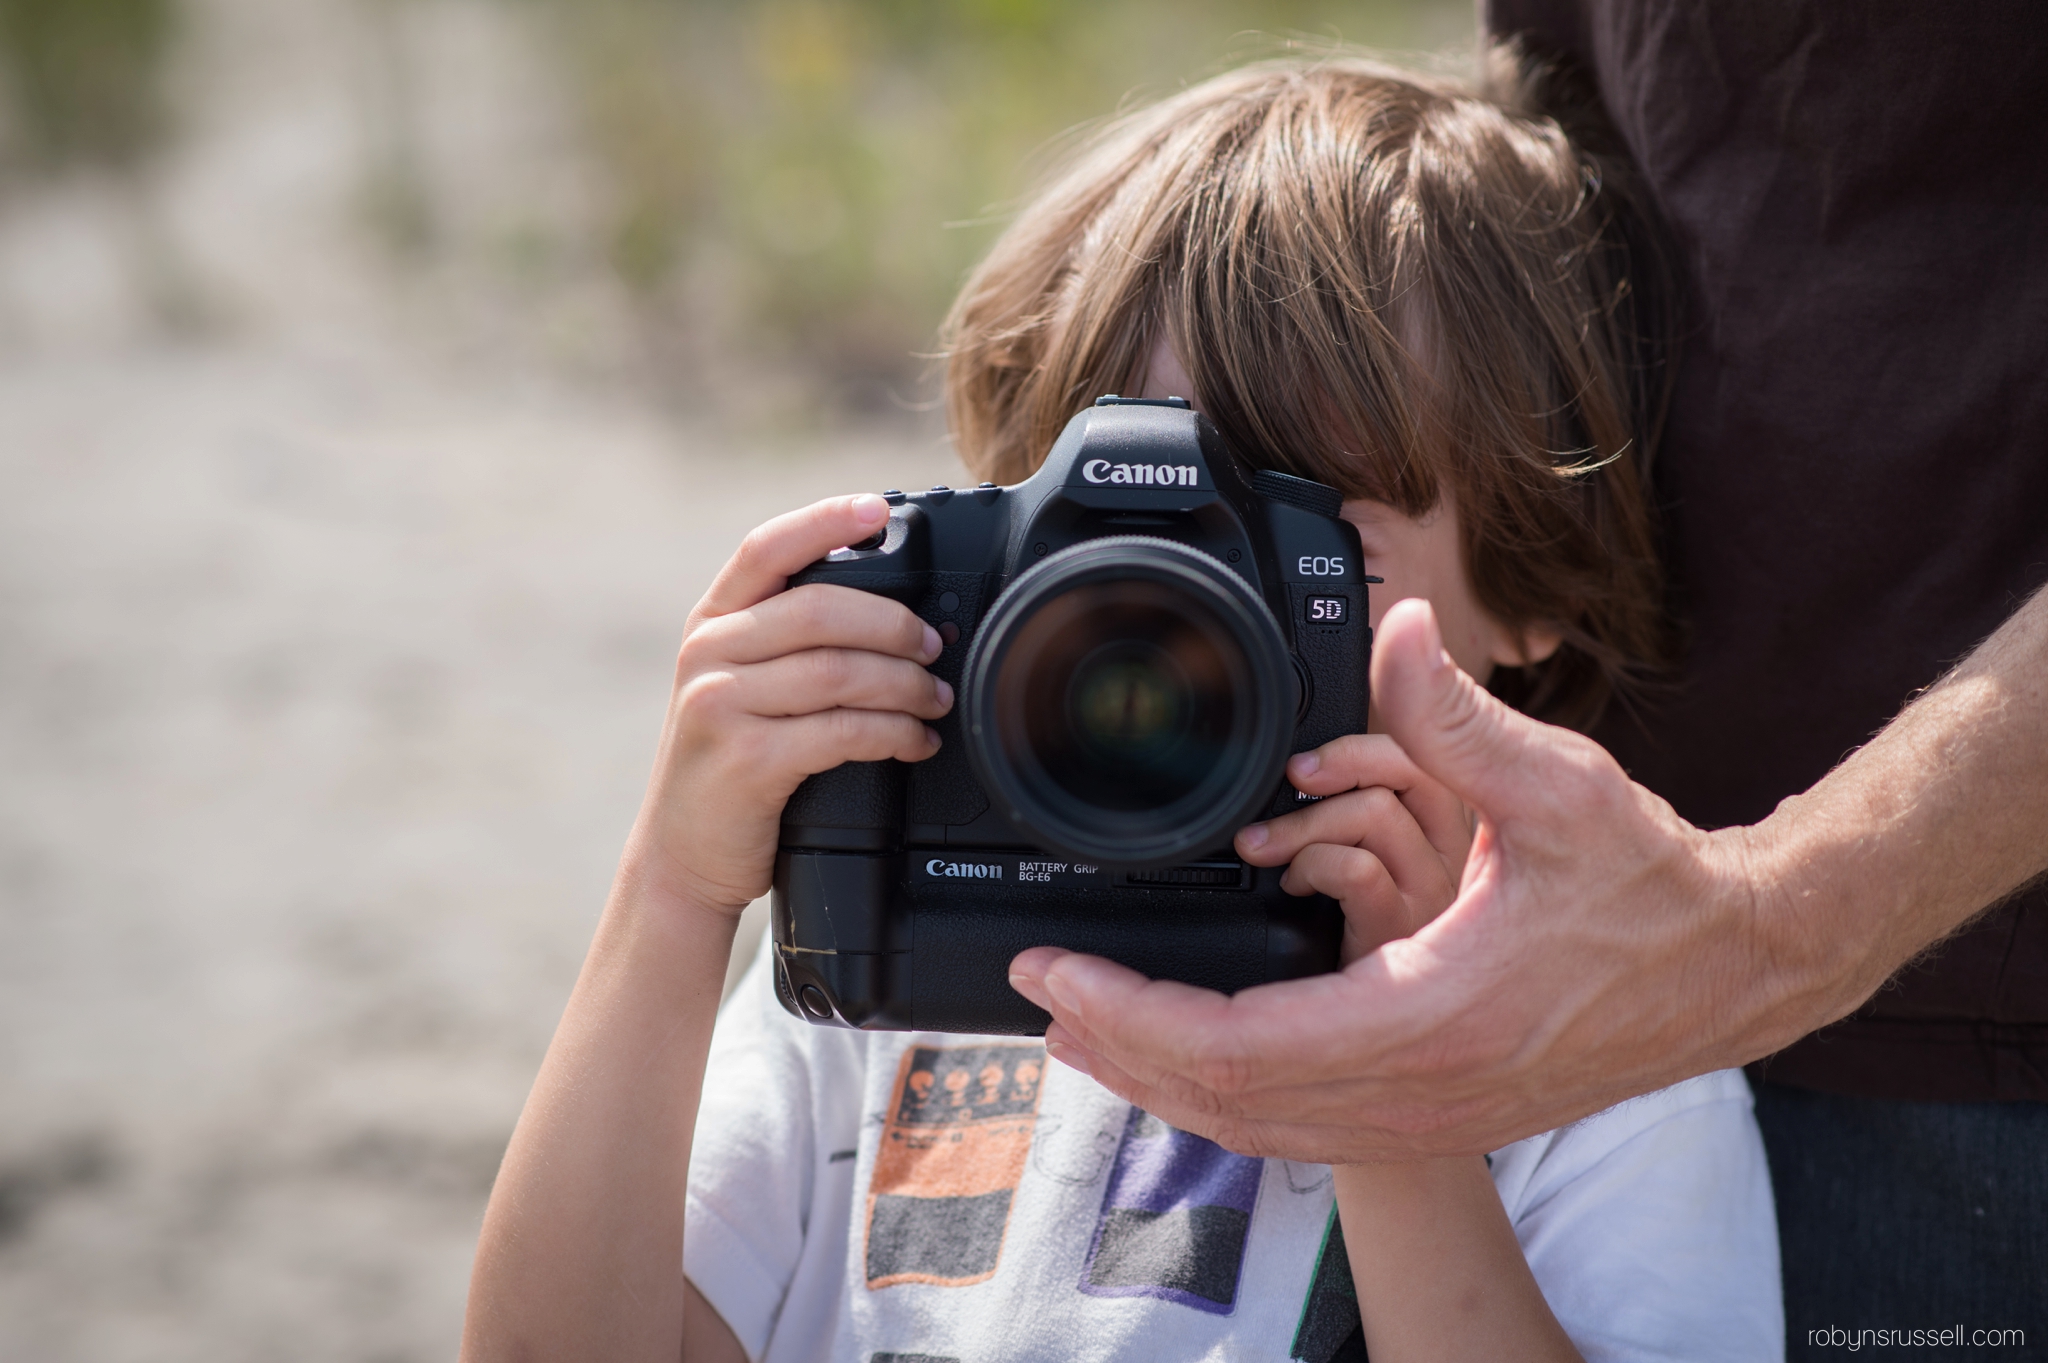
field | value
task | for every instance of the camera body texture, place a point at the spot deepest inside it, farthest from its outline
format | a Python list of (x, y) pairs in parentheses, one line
[(1137, 637)]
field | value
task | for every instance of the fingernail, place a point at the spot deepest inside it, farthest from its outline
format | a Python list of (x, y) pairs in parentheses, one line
[(869, 509), (1029, 988), (1254, 836), (1063, 996), (945, 692), (932, 644), (932, 737), (1068, 1056), (1305, 763)]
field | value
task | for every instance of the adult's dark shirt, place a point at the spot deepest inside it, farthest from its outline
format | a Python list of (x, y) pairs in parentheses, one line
[(1855, 470)]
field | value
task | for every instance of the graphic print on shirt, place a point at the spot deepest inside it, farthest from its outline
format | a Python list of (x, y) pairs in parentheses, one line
[(952, 1150), (1330, 1330), (1174, 1219)]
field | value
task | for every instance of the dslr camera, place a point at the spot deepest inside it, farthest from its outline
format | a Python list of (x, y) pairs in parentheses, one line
[(1137, 636)]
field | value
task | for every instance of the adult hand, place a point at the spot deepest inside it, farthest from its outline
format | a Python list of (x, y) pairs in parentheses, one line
[(1598, 947)]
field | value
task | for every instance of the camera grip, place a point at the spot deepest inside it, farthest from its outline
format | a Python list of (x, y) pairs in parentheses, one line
[(861, 943), (1211, 942), (842, 938), (858, 806), (855, 807)]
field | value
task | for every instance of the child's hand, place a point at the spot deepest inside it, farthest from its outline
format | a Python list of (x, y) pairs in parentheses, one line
[(772, 686), (1386, 842)]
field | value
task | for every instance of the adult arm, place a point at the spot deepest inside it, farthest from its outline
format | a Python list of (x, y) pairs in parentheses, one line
[(582, 1247), (1599, 947)]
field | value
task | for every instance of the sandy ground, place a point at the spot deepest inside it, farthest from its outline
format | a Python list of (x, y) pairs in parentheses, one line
[(335, 631), (326, 694)]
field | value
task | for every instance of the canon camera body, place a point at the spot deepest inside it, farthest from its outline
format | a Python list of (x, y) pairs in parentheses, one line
[(1137, 637)]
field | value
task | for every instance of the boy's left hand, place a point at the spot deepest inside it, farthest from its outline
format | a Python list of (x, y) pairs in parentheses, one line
[(1387, 842)]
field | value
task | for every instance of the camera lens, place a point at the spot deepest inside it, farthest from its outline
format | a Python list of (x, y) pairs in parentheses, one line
[(1124, 692), (1130, 701)]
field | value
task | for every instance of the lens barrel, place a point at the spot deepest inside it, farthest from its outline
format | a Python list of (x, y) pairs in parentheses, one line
[(1129, 702)]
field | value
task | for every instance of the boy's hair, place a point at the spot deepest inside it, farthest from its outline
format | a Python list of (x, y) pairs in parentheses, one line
[(1385, 282)]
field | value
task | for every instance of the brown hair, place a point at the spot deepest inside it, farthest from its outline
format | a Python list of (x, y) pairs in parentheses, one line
[(1385, 282)]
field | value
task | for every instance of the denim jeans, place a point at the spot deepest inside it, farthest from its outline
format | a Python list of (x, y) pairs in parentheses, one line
[(1909, 1215)]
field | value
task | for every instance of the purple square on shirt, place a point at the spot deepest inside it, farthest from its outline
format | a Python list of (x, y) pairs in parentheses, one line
[(1175, 1218)]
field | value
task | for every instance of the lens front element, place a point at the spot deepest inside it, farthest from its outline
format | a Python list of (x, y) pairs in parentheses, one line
[(1130, 713), (1131, 701), (1120, 694)]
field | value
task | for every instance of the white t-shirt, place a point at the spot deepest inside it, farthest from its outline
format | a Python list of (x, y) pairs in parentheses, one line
[(893, 1197)]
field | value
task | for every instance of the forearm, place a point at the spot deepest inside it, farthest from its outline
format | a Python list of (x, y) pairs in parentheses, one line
[(581, 1254), (1941, 815), (581, 1251), (1439, 1273)]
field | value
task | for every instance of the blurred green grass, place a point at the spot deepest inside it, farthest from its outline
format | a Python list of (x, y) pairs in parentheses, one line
[(810, 179), (85, 78), (788, 187)]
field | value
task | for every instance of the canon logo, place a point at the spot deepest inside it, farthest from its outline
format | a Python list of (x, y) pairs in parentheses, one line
[(970, 870), (1145, 475)]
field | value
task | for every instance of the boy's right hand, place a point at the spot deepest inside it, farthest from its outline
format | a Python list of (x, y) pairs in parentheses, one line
[(772, 686)]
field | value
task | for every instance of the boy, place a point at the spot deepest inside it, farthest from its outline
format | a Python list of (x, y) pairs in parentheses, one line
[(1419, 296)]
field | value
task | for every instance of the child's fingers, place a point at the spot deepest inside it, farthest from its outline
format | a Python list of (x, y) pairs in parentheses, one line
[(754, 764), (1351, 761), (1357, 760), (1375, 910), (761, 566), (1373, 819), (808, 744), (831, 678), (816, 615)]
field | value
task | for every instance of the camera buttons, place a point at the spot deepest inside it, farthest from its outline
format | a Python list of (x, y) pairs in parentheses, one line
[(814, 1001)]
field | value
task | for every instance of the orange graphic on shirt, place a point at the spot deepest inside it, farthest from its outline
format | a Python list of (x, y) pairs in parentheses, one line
[(951, 1155)]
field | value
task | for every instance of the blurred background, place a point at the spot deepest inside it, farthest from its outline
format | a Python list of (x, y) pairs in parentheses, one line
[(380, 382)]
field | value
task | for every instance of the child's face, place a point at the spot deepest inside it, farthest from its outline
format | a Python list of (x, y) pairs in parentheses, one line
[(1417, 557)]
